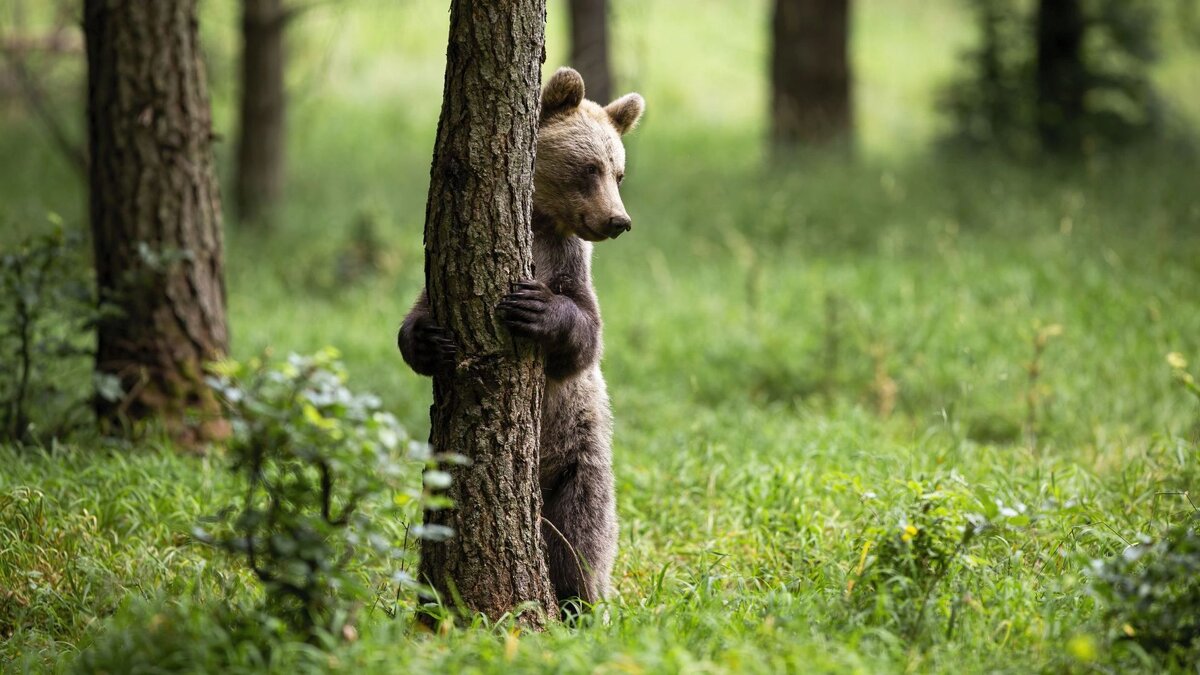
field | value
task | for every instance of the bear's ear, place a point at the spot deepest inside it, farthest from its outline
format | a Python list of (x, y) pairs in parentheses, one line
[(626, 111), (563, 92)]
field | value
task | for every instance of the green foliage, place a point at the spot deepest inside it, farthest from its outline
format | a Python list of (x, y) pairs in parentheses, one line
[(172, 635), (1152, 591), (910, 551), (47, 314), (40, 581), (741, 508), (82, 530), (994, 101), (756, 322), (1179, 369), (311, 453)]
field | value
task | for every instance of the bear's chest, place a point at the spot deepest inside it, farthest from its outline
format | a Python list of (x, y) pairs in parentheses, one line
[(563, 264)]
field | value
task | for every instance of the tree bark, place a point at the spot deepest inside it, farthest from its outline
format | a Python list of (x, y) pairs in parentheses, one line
[(155, 213), (478, 241), (261, 143), (1061, 74), (810, 73), (589, 47)]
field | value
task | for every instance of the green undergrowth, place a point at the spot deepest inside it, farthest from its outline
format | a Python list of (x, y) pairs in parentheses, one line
[(762, 539), (871, 416)]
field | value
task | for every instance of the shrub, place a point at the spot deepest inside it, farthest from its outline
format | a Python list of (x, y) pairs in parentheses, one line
[(1152, 590), (909, 552), (47, 314), (331, 482)]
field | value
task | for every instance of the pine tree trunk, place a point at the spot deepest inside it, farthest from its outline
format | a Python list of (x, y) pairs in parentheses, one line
[(477, 242), (810, 72), (155, 213), (260, 151), (1061, 74), (589, 47)]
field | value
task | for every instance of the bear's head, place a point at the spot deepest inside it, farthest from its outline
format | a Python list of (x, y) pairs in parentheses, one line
[(581, 160)]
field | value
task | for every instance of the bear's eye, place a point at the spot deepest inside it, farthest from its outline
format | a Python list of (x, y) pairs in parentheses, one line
[(593, 170), (620, 177)]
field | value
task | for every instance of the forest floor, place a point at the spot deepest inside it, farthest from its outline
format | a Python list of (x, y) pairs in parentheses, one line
[(812, 367)]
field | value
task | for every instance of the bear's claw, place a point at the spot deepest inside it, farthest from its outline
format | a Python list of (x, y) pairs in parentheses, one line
[(526, 310), (436, 344)]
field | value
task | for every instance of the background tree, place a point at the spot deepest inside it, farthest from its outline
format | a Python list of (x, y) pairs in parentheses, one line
[(155, 211), (810, 72), (477, 243), (30, 59), (589, 47), (1061, 76), (261, 129)]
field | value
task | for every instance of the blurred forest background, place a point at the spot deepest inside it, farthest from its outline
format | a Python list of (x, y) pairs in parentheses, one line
[(898, 347)]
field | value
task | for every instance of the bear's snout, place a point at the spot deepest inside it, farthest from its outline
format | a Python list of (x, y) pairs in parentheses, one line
[(618, 225)]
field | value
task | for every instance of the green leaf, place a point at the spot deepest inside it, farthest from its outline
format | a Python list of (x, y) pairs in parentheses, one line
[(108, 387)]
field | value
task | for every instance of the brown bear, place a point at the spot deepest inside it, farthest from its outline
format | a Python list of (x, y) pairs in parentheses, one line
[(576, 201)]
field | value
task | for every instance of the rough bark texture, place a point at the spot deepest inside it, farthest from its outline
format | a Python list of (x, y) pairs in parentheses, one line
[(589, 47), (1061, 74), (478, 242), (155, 212), (260, 151), (810, 72)]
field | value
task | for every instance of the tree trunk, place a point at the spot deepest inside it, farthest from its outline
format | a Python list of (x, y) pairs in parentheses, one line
[(1061, 74), (810, 72), (477, 242), (260, 151), (155, 213), (589, 47)]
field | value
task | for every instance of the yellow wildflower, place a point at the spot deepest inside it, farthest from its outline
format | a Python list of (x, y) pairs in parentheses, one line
[(1083, 648)]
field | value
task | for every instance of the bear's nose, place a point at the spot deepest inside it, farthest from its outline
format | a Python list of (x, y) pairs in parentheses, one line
[(619, 224)]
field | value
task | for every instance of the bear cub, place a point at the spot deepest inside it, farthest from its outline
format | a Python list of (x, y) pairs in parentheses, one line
[(579, 165)]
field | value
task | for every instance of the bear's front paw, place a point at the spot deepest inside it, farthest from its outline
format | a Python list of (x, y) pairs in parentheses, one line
[(529, 310), (431, 347)]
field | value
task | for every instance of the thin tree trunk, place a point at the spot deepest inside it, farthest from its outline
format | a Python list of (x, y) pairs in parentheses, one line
[(155, 213), (1061, 74), (260, 153), (477, 242), (589, 47), (810, 72)]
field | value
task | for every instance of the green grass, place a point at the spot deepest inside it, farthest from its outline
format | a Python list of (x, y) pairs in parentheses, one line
[(794, 354)]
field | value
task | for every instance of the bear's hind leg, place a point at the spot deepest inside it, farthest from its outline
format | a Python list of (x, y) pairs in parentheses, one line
[(581, 533)]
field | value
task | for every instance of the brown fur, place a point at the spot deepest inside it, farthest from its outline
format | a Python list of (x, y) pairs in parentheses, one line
[(580, 163)]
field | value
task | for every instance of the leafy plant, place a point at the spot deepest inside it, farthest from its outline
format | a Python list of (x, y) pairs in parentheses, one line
[(1152, 590), (331, 482), (909, 552), (47, 313)]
